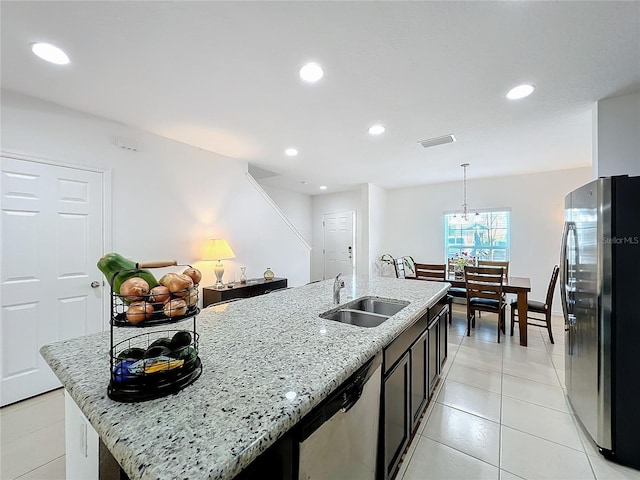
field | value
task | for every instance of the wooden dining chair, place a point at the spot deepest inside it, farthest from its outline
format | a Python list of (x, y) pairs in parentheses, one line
[(484, 294), (435, 272), (495, 264), (431, 271), (539, 308)]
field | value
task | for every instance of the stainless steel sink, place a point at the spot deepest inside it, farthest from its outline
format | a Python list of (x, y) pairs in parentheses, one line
[(376, 305), (356, 317), (366, 312)]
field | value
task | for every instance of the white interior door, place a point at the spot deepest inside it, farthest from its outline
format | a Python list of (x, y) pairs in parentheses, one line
[(52, 236), (339, 244)]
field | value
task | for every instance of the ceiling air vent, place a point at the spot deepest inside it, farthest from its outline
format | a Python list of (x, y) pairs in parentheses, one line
[(432, 142)]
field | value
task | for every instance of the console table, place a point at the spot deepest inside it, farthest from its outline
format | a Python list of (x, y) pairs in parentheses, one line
[(252, 288)]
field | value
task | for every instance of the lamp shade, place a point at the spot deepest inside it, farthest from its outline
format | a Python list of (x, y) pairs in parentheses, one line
[(218, 249)]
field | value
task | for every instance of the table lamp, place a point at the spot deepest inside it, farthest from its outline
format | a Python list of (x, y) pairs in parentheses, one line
[(218, 249)]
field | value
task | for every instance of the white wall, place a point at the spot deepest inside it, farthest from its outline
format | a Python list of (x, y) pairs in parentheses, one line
[(296, 206), (415, 224), (335, 203), (377, 226), (616, 136), (168, 198)]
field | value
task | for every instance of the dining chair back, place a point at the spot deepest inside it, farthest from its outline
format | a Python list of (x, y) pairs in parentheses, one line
[(538, 308), (435, 272), (495, 264), (431, 271), (484, 294)]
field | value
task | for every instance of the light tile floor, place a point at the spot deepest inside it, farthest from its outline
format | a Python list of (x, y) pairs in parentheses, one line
[(32, 438), (499, 413)]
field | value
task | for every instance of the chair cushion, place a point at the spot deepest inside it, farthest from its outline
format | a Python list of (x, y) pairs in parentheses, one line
[(532, 306), (458, 292), (484, 302)]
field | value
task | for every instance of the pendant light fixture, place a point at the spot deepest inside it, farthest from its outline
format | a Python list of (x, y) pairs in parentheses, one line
[(464, 216)]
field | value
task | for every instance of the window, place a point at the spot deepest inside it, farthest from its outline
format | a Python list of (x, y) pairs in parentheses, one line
[(486, 236)]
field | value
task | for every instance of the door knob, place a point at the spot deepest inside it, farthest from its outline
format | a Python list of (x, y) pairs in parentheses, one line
[(95, 284)]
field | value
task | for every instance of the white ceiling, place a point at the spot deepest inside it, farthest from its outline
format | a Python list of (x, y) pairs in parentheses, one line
[(223, 76)]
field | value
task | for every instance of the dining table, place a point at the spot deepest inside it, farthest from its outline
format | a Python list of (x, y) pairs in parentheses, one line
[(520, 286)]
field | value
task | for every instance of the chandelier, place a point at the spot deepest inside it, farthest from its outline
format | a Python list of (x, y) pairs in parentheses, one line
[(464, 216)]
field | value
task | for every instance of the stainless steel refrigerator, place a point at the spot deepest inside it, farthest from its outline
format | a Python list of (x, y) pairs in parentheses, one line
[(600, 289)]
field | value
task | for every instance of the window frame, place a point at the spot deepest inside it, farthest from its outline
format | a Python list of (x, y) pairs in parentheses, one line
[(460, 245)]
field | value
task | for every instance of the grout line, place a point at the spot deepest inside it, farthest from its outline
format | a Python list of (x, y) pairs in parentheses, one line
[(464, 453), (511, 473), (469, 413), (40, 466), (537, 404), (546, 439)]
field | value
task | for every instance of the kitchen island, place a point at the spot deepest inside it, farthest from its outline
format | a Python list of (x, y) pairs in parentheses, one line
[(267, 362)]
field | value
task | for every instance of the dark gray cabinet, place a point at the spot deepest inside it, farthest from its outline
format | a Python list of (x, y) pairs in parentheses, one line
[(443, 335), (419, 390), (434, 363), (397, 418), (411, 364)]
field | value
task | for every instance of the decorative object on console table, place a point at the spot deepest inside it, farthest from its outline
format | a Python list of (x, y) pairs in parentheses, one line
[(268, 274), (218, 249), (260, 286), (243, 275)]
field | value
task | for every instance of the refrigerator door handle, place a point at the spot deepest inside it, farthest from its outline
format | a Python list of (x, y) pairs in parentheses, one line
[(564, 273)]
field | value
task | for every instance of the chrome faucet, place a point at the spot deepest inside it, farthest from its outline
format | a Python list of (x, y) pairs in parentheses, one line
[(337, 285)]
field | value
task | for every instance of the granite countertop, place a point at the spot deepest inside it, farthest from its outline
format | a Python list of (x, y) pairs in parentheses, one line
[(267, 361)]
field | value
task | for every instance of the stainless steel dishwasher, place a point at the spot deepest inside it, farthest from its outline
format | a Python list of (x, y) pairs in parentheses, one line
[(339, 438)]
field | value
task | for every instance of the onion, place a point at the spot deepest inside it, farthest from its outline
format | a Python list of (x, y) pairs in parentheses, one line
[(160, 294), (138, 311), (177, 283), (194, 274), (192, 297), (166, 279), (175, 308), (134, 289)]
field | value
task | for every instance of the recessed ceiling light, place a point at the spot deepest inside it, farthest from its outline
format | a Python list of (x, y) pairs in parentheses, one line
[(520, 91), (291, 152), (311, 72), (376, 129), (323, 187), (50, 53)]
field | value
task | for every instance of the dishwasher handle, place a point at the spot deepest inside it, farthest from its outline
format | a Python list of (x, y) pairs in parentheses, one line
[(343, 399), (351, 396)]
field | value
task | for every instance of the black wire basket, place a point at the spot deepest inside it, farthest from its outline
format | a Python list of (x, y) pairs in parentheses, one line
[(147, 309), (152, 365), (158, 363)]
